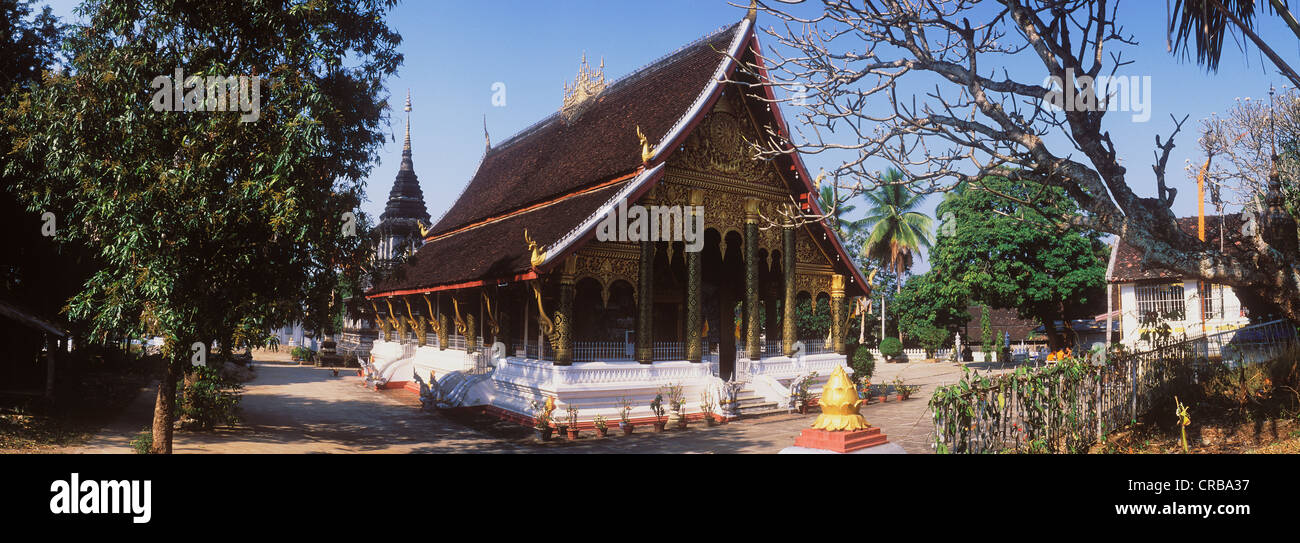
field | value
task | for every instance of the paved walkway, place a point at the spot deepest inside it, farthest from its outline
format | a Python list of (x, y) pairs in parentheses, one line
[(301, 409)]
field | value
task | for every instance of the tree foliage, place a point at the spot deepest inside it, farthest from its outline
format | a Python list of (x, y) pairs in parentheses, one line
[(208, 228), (1006, 255)]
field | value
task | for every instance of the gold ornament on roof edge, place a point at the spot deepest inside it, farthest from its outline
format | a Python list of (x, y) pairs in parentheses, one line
[(839, 404), (536, 255), (585, 86)]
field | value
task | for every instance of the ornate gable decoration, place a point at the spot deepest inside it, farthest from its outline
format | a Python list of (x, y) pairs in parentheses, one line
[(585, 86), (722, 145)]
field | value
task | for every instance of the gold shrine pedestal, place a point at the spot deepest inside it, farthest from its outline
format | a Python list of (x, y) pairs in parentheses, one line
[(840, 428)]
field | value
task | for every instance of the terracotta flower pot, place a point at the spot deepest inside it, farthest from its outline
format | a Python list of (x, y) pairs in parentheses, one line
[(627, 428), (573, 434), (884, 398), (602, 432), (901, 397), (659, 425)]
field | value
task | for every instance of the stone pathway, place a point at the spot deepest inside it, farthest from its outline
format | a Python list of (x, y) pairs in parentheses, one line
[(301, 409)]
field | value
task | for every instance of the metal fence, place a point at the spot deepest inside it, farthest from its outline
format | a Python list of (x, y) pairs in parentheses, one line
[(1070, 405)]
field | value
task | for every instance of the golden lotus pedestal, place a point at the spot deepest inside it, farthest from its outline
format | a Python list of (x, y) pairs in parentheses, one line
[(840, 428)]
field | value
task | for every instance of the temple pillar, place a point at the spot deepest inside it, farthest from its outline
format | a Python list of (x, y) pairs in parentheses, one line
[(837, 312), (753, 350), (645, 303), (444, 324), (471, 333), (789, 332), (694, 352), (564, 313)]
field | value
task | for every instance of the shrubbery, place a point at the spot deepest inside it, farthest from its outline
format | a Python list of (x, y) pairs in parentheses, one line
[(863, 364), (207, 399), (891, 347)]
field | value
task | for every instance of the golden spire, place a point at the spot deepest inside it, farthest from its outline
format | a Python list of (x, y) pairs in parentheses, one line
[(840, 403), (753, 10), (486, 139)]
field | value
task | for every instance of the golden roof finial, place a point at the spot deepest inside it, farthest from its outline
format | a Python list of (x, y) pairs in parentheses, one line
[(753, 10), (487, 139), (839, 404), (586, 85)]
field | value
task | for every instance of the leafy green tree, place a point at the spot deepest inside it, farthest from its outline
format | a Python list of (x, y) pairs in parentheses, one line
[(810, 322), (986, 334), (207, 228), (1007, 255), (926, 303), (931, 337)]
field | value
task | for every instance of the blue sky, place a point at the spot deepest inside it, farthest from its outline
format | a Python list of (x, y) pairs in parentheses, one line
[(456, 51)]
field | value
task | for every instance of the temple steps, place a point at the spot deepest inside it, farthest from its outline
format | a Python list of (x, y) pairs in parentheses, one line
[(750, 404)]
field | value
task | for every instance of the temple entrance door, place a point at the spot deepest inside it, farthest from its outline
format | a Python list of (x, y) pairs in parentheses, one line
[(724, 280)]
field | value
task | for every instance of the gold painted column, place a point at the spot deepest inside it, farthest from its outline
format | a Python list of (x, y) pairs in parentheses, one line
[(789, 332), (564, 313), (444, 326), (753, 350), (471, 333), (694, 352), (645, 304), (837, 312)]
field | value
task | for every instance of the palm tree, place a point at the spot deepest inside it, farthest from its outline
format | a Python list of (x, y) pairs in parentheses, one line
[(830, 203), (898, 231), (1204, 23)]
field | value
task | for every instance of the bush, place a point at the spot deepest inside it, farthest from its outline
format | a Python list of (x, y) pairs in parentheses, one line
[(207, 399), (863, 364), (301, 353), (142, 442), (891, 347), (931, 337)]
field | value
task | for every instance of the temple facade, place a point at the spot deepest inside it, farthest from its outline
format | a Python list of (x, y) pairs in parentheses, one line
[(628, 242)]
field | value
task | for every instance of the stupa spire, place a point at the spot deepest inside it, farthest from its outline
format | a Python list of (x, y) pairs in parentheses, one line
[(406, 146)]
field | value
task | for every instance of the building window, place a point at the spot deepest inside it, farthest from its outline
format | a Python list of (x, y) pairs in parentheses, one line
[(1211, 300), (1161, 301)]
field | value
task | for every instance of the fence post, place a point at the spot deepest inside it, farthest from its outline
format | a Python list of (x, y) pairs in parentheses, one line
[(1133, 379)]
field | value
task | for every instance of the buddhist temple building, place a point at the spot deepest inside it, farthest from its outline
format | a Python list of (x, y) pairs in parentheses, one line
[(571, 267)]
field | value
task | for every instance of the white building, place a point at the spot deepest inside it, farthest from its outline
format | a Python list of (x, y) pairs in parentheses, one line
[(1190, 307)]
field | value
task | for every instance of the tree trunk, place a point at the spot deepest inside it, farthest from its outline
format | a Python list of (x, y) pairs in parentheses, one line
[(1054, 340), (165, 404)]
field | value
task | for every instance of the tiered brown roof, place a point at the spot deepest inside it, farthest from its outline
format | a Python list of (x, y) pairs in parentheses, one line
[(553, 177), (1128, 258)]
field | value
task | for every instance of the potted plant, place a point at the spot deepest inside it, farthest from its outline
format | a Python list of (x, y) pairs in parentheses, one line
[(573, 423), (677, 402), (801, 390), (904, 390), (542, 419), (624, 416), (868, 393), (884, 393), (706, 407), (657, 406), (602, 428)]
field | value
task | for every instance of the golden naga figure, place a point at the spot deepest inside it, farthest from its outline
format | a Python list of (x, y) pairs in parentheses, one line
[(647, 152), (840, 403), (537, 255)]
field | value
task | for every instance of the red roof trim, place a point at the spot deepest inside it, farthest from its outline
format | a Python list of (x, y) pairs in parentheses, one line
[(455, 286)]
